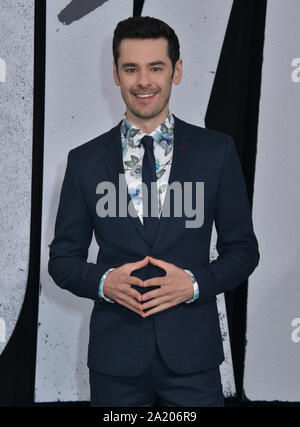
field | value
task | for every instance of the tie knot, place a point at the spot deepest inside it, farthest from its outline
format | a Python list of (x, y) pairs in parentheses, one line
[(147, 142)]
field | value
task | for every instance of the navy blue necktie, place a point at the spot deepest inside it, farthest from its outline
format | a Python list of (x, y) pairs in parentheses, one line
[(149, 175)]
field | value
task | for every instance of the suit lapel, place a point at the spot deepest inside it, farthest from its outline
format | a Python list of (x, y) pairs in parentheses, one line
[(114, 165), (182, 156)]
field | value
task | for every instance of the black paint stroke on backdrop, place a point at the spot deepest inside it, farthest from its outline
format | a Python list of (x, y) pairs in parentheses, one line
[(138, 7), (234, 109), (77, 9)]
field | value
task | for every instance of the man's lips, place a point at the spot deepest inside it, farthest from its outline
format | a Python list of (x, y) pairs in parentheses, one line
[(145, 97)]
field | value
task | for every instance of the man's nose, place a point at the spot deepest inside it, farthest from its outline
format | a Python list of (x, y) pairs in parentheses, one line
[(144, 79)]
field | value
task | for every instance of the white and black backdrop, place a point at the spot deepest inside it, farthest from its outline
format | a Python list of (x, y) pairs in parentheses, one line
[(242, 77)]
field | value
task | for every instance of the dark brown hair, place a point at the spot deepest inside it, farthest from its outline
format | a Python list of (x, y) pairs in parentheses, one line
[(145, 27)]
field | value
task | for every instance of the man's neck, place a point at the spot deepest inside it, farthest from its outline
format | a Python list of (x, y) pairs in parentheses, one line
[(146, 125)]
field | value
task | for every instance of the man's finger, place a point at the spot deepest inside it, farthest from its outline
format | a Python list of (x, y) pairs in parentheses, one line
[(131, 302), (138, 264), (132, 280), (131, 306), (154, 281), (132, 293), (153, 294), (159, 262), (158, 308), (162, 299)]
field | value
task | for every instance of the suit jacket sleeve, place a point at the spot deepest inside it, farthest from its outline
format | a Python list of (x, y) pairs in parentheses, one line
[(68, 264), (236, 242)]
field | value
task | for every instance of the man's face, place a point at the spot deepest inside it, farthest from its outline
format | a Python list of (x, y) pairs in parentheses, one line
[(145, 76)]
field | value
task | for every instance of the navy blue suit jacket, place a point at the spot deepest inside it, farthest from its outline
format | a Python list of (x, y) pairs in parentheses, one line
[(188, 335)]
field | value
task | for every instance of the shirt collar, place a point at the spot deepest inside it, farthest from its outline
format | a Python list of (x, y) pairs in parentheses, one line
[(132, 135)]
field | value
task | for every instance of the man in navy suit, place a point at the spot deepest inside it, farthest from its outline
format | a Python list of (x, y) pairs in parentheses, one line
[(154, 329)]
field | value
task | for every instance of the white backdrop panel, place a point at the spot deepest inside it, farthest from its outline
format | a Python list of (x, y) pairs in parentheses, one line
[(273, 349), (16, 100)]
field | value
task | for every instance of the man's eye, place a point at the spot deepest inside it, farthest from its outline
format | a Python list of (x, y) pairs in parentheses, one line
[(130, 70), (156, 69)]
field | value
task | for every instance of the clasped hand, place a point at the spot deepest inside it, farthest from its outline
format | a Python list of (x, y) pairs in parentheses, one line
[(172, 289)]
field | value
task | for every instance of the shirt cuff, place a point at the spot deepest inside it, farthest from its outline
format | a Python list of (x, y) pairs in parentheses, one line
[(195, 285), (101, 294)]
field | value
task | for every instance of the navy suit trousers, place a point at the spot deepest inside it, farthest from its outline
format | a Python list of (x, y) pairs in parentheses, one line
[(157, 386)]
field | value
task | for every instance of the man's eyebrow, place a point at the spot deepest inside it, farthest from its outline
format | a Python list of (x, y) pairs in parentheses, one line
[(129, 64), (133, 64), (157, 63)]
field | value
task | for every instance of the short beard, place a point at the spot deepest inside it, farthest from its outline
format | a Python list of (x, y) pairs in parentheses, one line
[(150, 115)]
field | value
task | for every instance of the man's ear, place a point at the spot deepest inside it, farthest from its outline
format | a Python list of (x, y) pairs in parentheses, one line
[(177, 75), (116, 74)]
